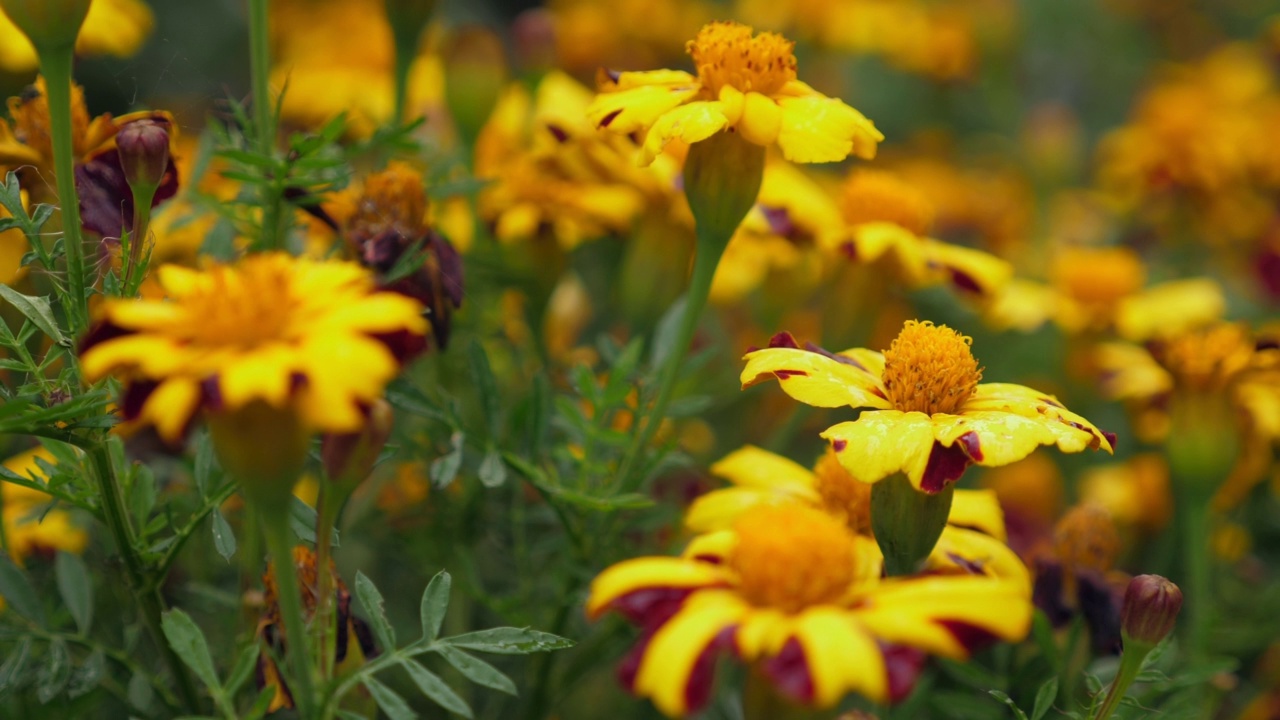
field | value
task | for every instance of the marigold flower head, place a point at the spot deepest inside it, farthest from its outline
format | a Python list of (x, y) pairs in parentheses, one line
[(111, 27), (315, 339), (928, 414), (795, 591), (745, 83)]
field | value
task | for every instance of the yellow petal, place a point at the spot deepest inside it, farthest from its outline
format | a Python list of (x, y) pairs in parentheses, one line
[(994, 438), (669, 660), (638, 108), (718, 509), (689, 123), (968, 269), (750, 466), (649, 572), (1035, 405), (712, 547), (814, 379), (264, 374), (980, 510), (883, 442), (1170, 309), (1129, 371), (841, 656), (761, 119), (961, 548), (912, 611), (817, 129), (171, 407)]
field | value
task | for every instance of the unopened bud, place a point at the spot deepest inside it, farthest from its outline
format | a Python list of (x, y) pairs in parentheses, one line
[(1151, 605), (348, 459), (49, 24), (144, 152), (475, 74)]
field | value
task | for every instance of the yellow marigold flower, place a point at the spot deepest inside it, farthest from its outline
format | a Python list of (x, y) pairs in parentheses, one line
[(887, 220), (745, 84), (315, 339), (794, 591), (30, 527), (1135, 493), (928, 415), (624, 33), (759, 477), (112, 27)]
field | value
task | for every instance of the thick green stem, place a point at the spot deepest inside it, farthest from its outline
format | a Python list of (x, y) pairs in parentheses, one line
[(142, 199), (1130, 664), (275, 528), (403, 63), (56, 68), (145, 593), (907, 522), (704, 268), (264, 120), (324, 626)]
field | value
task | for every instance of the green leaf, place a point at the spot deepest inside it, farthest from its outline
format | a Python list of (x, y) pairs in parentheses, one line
[(445, 468), (140, 693), (435, 601), (371, 600), (391, 703), (188, 642), (224, 540), (55, 673), (433, 687), (88, 675), (77, 589), (303, 520), (1045, 696), (205, 463), (477, 670), (348, 715), (509, 641), (1042, 631), (37, 310), (1004, 698), (142, 494), (243, 668), (13, 671), (17, 590), (493, 473), (487, 385)]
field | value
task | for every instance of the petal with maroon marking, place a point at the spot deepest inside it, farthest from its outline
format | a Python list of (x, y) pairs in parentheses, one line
[(675, 662), (814, 379), (629, 576), (946, 465), (883, 442), (840, 656)]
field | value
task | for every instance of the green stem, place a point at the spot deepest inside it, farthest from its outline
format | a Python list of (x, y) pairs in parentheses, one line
[(142, 199), (280, 545), (403, 64), (56, 68), (324, 626), (709, 249), (907, 522), (1195, 536), (145, 592), (264, 119), (1130, 664)]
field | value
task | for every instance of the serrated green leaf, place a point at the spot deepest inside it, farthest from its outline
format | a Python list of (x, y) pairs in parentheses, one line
[(187, 640), (261, 703), (477, 670), (55, 673), (88, 675), (435, 601), (224, 540), (509, 641), (1045, 696), (14, 669), (76, 587), (303, 520), (392, 704), (493, 473), (1004, 698), (37, 310), (371, 600), (16, 589), (434, 688), (445, 468)]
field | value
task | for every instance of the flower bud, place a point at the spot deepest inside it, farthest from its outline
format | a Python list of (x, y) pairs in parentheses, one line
[(348, 459), (49, 24), (722, 176), (1151, 605), (144, 152)]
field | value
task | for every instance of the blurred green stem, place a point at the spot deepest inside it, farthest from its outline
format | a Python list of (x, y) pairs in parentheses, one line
[(142, 199), (146, 593), (264, 119), (1195, 536), (1130, 664), (275, 528), (324, 626), (56, 68)]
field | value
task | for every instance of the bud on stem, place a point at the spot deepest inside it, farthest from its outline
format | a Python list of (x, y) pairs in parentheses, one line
[(1151, 605), (50, 25)]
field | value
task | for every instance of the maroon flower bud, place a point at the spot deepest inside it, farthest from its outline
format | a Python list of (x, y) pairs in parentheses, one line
[(1151, 605), (144, 152), (348, 459)]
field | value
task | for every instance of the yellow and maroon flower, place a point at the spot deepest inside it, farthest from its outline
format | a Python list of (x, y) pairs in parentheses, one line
[(927, 415), (796, 593)]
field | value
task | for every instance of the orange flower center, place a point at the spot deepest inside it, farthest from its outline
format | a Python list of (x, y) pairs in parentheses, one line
[(394, 199), (242, 306), (842, 495), (30, 113), (878, 196), (1099, 276), (930, 369), (1207, 359), (791, 557), (1085, 539), (725, 53)]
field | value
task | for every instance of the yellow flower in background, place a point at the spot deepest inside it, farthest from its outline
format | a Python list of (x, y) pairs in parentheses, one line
[(589, 35), (358, 81), (30, 526), (112, 27), (794, 591), (313, 339), (887, 220), (759, 477), (745, 84), (1135, 493), (25, 137), (928, 416)]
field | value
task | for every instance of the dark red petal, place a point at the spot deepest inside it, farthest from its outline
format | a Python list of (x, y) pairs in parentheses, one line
[(971, 444), (779, 220), (784, 374), (946, 464), (651, 607), (604, 121), (789, 672), (839, 445), (971, 637), (783, 339), (404, 345), (135, 396), (701, 679), (902, 667), (100, 333), (557, 132), (964, 281), (211, 394)]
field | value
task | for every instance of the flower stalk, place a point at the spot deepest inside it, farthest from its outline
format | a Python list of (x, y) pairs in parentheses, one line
[(275, 528), (907, 522), (55, 65), (264, 120)]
